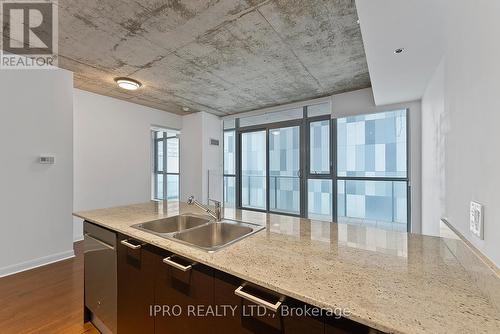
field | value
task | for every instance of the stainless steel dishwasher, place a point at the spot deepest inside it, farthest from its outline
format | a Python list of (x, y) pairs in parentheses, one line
[(100, 276)]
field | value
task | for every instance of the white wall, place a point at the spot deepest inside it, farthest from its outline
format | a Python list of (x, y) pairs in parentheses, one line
[(213, 158), (35, 200), (191, 156), (469, 85), (362, 102), (433, 153), (198, 157), (112, 151)]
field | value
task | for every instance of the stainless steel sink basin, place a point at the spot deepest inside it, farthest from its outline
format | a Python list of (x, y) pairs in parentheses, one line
[(200, 231), (173, 224), (214, 236)]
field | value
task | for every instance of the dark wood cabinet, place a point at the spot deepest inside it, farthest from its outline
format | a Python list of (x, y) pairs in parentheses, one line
[(296, 322), (346, 326), (186, 287), (249, 317), (136, 269), (162, 293)]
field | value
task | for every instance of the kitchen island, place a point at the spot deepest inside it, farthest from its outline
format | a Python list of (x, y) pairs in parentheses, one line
[(390, 281)]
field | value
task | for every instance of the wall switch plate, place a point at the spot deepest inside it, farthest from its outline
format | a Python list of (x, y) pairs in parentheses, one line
[(476, 219)]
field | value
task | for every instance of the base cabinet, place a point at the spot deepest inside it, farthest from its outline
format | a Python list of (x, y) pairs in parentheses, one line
[(162, 293), (185, 291), (297, 323), (136, 290), (244, 317), (345, 326)]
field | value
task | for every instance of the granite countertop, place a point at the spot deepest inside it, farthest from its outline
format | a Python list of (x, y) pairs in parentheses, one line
[(392, 281)]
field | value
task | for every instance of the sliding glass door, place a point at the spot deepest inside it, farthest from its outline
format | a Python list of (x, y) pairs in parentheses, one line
[(284, 170), (270, 169), (254, 170)]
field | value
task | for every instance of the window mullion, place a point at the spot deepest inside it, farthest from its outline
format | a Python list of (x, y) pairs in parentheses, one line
[(165, 154)]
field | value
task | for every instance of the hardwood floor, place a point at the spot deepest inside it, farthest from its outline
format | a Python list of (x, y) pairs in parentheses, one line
[(48, 299)]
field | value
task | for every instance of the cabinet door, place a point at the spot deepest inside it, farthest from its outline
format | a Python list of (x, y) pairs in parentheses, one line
[(296, 322), (248, 317), (346, 326), (185, 287), (136, 268)]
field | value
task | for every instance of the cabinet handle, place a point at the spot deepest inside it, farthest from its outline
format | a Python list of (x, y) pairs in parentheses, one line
[(245, 295), (176, 265), (129, 245)]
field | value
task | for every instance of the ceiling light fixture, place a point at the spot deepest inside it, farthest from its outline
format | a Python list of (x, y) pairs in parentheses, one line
[(399, 50), (186, 109), (275, 132), (128, 84)]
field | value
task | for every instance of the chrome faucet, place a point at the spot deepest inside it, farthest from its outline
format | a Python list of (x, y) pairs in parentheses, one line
[(216, 214)]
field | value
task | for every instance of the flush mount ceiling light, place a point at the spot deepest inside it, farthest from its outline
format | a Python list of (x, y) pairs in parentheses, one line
[(128, 84), (186, 109), (399, 51)]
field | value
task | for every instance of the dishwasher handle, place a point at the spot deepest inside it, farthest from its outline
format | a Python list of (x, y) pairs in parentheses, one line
[(105, 244)]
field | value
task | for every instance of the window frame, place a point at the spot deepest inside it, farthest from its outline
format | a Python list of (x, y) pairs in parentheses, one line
[(382, 178), (267, 128), (164, 173), (305, 173), (333, 161), (235, 168)]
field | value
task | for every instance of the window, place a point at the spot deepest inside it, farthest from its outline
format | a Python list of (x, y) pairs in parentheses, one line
[(302, 162), (253, 170), (320, 199), (372, 145), (320, 174), (319, 110), (377, 201), (229, 167), (319, 147), (372, 170), (166, 164), (272, 117), (284, 170)]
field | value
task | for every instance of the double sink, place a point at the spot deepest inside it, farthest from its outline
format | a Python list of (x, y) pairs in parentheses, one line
[(200, 231)]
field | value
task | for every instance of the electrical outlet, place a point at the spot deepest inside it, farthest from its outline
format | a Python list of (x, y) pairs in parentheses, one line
[(476, 219)]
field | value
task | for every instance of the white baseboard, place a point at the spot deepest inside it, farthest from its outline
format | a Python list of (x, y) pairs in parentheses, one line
[(31, 264)]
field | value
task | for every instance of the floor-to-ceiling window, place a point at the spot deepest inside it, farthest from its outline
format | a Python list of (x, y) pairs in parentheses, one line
[(303, 162), (254, 170), (284, 170), (319, 162), (372, 169), (166, 164)]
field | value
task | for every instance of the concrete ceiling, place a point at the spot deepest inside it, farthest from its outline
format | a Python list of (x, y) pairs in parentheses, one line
[(415, 25), (220, 56)]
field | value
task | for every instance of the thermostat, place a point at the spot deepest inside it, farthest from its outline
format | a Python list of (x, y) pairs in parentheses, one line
[(47, 160)]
